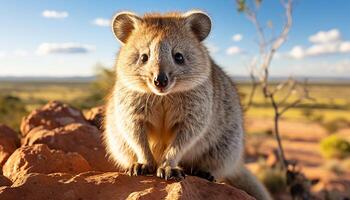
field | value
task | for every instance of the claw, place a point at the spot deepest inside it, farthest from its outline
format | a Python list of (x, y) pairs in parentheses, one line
[(160, 172), (169, 173), (137, 169)]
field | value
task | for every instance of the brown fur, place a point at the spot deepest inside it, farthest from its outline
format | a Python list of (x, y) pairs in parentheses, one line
[(194, 124)]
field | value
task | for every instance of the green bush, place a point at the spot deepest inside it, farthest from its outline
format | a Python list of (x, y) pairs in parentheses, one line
[(335, 147)]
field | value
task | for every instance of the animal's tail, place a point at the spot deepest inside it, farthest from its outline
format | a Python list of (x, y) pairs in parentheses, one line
[(245, 180)]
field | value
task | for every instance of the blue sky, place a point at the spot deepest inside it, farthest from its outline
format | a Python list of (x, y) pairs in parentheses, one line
[(63, 38)]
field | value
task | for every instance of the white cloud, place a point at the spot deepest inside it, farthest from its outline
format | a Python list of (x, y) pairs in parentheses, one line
[(345, 47), (101, 22), (233, 50), (20, 53), (212, 48), (64, 48), (297, 52), (322, 48), (237, 37), (55, 14), (325, 36), (323, 43)]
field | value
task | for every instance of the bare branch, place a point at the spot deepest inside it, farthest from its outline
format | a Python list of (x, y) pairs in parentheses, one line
[(276, 44), (267, 50), (251, 15)]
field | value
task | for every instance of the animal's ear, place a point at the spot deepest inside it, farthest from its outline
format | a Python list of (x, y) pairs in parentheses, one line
[(199, 22), (123, 24)]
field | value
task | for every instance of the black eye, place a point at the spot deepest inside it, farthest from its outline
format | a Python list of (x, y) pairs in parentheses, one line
[(179, 58), (144, 58)]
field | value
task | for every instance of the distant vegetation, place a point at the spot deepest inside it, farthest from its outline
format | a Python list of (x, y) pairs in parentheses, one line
[(17, 99), (335, 147), (331, 109), (332, 105), (12, 109)]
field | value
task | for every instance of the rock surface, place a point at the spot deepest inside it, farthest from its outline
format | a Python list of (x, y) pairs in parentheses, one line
[(39, 158), (4, 181), (95, 116), (113, 185), (9, 142), (81, 138), (53, 115)]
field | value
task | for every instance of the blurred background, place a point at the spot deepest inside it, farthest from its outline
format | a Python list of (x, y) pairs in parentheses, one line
[(64, 50)]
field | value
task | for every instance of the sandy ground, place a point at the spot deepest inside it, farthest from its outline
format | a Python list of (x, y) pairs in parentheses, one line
[(301, 144)]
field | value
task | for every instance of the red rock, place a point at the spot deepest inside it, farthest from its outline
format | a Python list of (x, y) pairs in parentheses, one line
[(95, 116), (81, 138), (54, 114), (4, 181), (94, 185), (9, 142), (40, 159)]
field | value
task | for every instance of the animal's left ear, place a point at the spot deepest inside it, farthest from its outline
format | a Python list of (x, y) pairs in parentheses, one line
[(199, 22)]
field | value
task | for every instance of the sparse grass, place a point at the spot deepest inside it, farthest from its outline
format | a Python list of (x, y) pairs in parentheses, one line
[(335, 147)]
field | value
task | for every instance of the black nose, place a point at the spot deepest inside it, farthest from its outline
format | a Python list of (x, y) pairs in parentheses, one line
[(161, 80)]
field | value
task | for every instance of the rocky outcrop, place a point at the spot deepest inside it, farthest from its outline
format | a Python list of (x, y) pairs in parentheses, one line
[(62, 157), (52, 115), (40, 159), (80, 138), (113, 185), (9, 142)]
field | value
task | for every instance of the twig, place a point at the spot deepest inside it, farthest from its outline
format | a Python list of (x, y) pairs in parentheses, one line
[(267, 51)]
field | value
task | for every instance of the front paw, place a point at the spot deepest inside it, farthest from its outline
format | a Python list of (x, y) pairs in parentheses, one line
[(140, 169), (169, 173)]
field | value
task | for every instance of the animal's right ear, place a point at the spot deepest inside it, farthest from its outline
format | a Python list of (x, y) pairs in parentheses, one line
[(199, 22), (123, 24)]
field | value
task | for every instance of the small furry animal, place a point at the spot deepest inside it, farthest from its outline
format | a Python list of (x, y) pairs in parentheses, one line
[(173, 110)]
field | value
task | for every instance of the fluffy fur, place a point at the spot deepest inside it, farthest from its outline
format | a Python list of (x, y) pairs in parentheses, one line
[(194, 125)]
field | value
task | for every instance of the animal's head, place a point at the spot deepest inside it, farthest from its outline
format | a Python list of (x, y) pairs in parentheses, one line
[(162, 53)]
